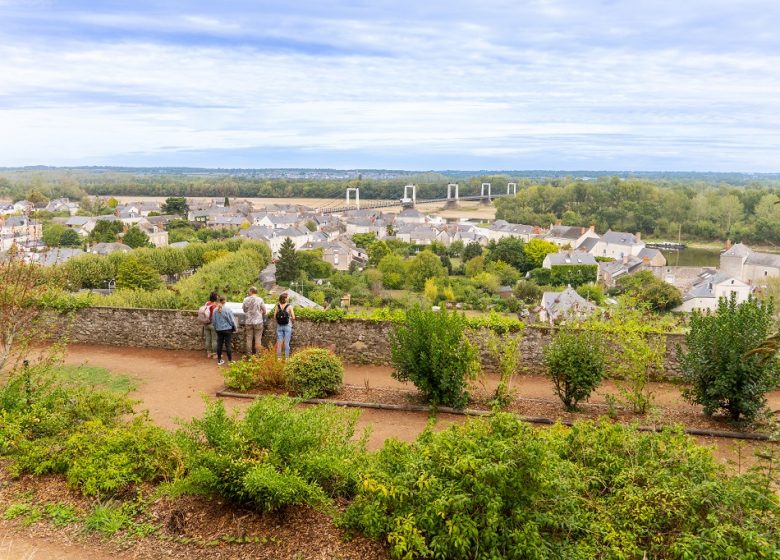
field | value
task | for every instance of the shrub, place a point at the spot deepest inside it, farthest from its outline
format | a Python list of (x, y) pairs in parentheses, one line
[(431, 350), (262, 370), (527, 292), (314, 372), (500, 489), (721, 376), (275, 456), (573, 274), (575, 360), (133, 274), (650, 290)]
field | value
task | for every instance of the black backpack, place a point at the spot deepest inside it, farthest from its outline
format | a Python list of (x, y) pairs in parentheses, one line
[(282, 317)]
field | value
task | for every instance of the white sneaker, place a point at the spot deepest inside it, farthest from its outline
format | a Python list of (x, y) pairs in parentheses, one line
[(221, 363)]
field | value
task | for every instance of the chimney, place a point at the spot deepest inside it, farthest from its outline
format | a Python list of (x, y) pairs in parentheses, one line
[(582, 231), (625, 258), (646, 261), (592, 228), (728, 244), (638, 236)]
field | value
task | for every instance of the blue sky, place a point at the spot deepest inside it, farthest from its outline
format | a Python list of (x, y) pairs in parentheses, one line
[(535, 84)]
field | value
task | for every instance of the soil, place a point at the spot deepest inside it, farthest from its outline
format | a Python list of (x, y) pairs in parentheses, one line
[(172, 384)]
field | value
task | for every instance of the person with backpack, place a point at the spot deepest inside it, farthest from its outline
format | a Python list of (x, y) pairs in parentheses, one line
[(204, 318), (225, 324), (284, 315)]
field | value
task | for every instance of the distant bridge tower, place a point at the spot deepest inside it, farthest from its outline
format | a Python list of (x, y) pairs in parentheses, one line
[(452, 194), (511, 188), (485, 188), (356, 191), (409, 201)]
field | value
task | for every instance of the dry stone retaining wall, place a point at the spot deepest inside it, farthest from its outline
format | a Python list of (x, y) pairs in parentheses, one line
[(356, 341)]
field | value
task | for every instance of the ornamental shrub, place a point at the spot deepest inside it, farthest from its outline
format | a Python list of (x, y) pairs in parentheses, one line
[(133, 274), (497, 488), (262, 370), (314, 372), (721, 377), (575, 360), (276, 456), (431, 350)]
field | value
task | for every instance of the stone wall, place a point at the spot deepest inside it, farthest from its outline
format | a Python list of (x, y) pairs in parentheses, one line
[(356, 341)]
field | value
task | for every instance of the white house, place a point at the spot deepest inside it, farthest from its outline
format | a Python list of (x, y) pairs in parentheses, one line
[(569, 236), (617, 244), (749, 266), (82, 224), (568, 258), (712, 286)]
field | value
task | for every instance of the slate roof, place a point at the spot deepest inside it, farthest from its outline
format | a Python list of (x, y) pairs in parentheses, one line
[(738, 250), (705, 287), (570, 258), (560, 304), (619, 238)]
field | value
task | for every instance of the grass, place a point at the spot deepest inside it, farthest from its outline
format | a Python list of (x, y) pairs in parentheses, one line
[(95, 377)]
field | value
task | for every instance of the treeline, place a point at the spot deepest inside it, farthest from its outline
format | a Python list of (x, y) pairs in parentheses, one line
[(658, 208)]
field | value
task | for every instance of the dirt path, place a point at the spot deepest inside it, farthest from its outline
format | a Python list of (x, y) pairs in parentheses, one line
[(172, 385)]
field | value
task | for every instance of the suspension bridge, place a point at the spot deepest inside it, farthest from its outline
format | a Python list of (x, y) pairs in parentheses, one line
[(410, 200)]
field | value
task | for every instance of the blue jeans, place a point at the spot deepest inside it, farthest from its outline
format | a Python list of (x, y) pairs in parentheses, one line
[(283, 336)]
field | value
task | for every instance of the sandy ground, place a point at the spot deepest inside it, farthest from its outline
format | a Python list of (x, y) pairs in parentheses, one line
[(172, 385)]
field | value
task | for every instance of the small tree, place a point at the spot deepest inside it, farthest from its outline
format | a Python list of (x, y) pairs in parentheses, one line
[(70, 238), (105, 231), (21, 286), (473, 249), (506, 351), (137, 275), (576, 363), (431, 350), (287, 264), (136, 238), (723, 374), (535, 251), (175, 205), (423, 266)]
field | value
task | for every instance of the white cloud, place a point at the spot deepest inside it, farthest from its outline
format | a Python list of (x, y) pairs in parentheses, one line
[(428, 87)]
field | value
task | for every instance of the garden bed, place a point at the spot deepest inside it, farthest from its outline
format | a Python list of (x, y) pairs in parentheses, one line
[(536, 410)]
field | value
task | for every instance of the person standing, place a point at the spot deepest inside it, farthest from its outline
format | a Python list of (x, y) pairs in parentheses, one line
[(225, 324), (205, 314), (284, 315), (254, 318)]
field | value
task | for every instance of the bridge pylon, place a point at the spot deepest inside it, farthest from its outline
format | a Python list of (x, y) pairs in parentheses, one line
[(452, 195), (485, 199), (511, 188), (356, 192), (409, 201)]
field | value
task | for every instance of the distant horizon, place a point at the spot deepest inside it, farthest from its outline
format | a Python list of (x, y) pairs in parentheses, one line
[(400, 171), (543, 84)]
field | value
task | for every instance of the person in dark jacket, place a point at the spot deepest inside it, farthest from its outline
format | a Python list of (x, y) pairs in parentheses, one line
[(225, 324)]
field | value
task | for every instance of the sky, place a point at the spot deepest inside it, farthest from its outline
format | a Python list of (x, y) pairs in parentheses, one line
[(683, 85)]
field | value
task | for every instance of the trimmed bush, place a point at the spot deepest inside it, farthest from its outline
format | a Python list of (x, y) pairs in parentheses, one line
[(431, 350), (314, 372), (576, 364)]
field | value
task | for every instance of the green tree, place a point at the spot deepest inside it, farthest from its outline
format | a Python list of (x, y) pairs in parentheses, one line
[(363, 240), (474, 266), (573, 274), (511, 250), (105, 231), (312, 264), (646, 288), (38, 198), (473, 249), (287, 264), (134, 274), (723, 376), (456, 248), (425, 265), (175, 205), (136, 238), (507, 275), (52, 234), (70, 238), (311, 225), (377, 251), (527, 292), (535, 251)]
